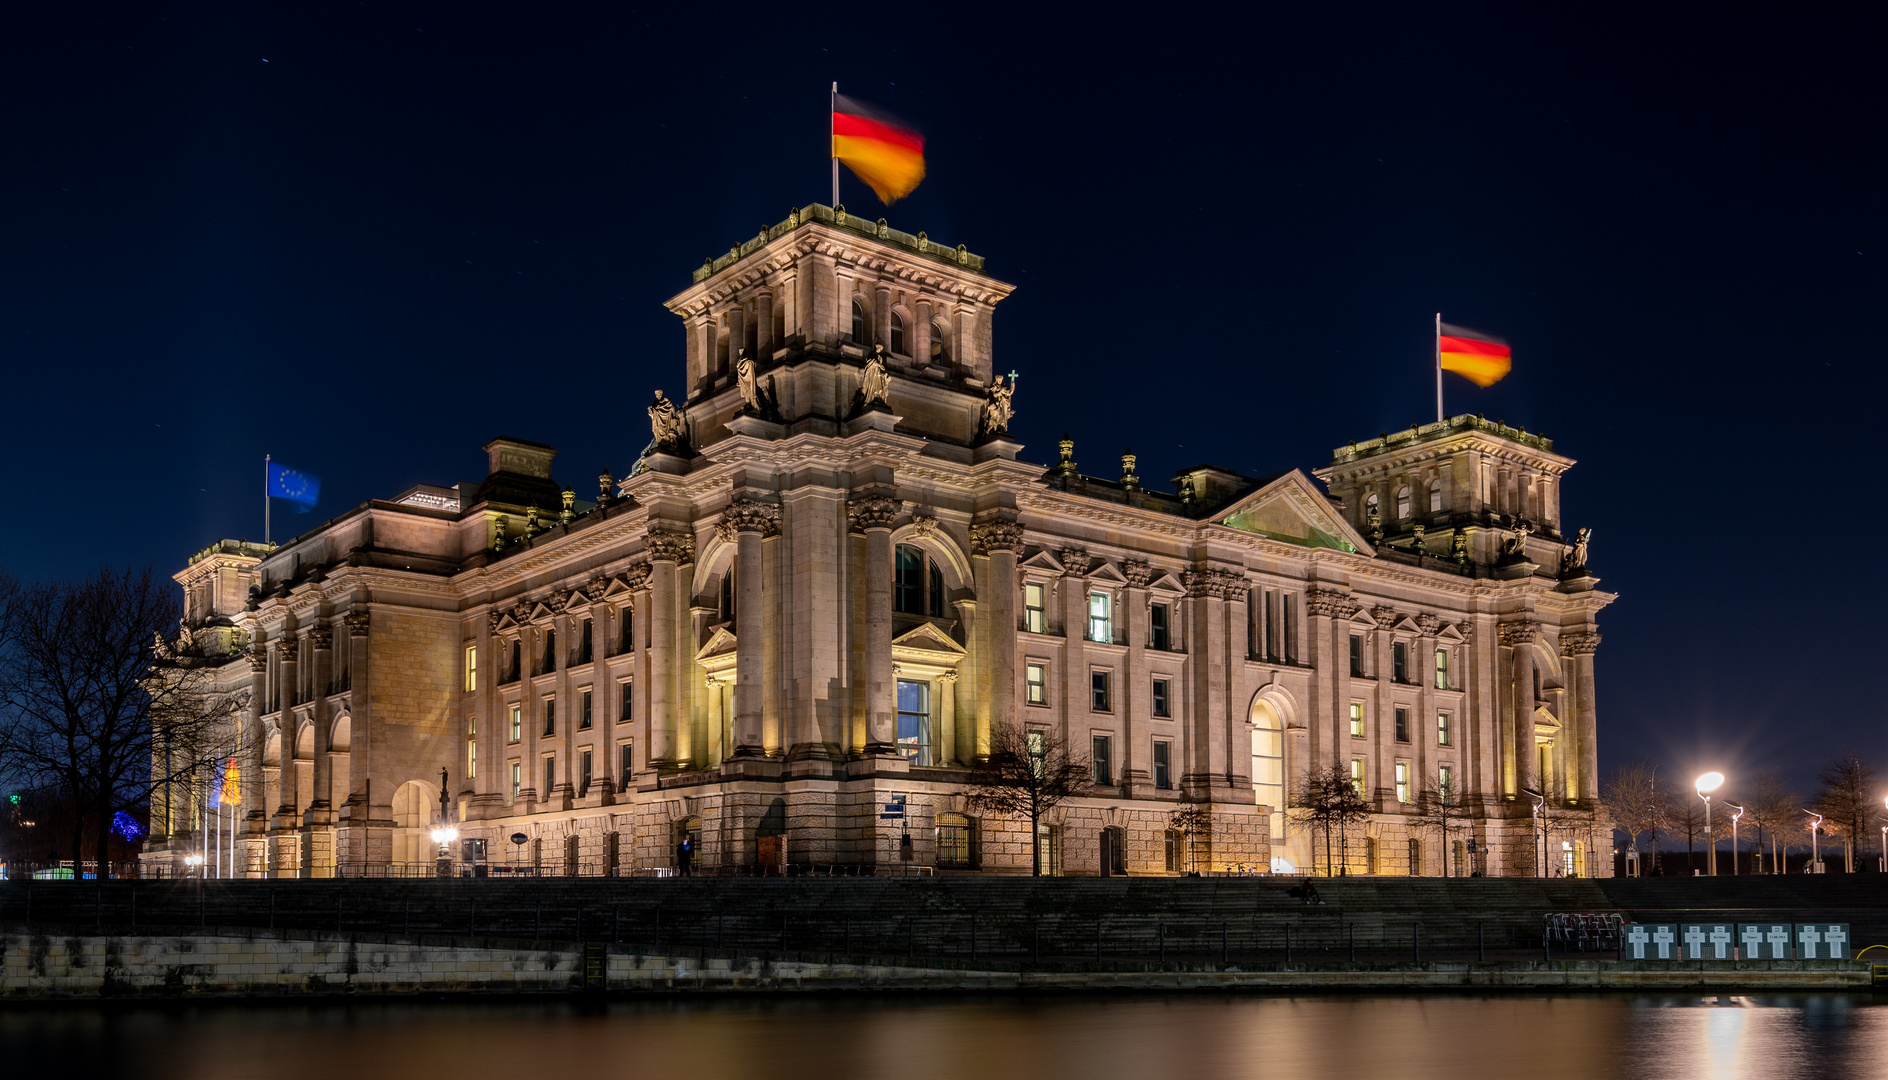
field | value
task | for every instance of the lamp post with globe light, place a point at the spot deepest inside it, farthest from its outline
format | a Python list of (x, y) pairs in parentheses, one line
[(1815, 842), (1707, 784)]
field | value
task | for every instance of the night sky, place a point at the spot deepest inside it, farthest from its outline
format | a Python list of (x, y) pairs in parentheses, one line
[(368, 237)]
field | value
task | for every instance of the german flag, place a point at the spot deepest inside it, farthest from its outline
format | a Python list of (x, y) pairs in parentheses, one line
[(879, 148), (1480, 358)]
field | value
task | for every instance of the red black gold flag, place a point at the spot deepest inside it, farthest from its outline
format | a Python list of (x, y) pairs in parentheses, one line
[(1480, 358), (879, 148)]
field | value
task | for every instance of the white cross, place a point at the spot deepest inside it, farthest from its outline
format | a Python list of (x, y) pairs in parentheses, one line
[(1753, 941), (1663, 938), (1835, 937), (1721, 939), (1637, 937), (1779, 942), (1694, 942), (1808, 937)]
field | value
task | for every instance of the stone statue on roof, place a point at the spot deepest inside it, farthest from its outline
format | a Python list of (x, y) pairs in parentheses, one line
[(669, 427), (997, 410), (875, 385), (1575, 559), (750, 386)]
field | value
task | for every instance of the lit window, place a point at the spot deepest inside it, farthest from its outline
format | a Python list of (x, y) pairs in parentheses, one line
[(953, 840), (471, 668), (1435, 496), (1402, 782), (1402, 724), (1442, 669), (1104, 767), (1445, 783), (1357, 774), (517, 779), (1163, 768), (1162, 707), (1356, 720), (1036, 680), (1098, 687), (1100, 622), (898, 334), (1442, 729), (1035, 615), (471, 748), (517, 723), (1036, 745), (1157, 621), (914, 721), (858, 323)]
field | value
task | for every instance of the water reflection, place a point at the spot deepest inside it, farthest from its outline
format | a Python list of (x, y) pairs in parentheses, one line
[(986, 1038)]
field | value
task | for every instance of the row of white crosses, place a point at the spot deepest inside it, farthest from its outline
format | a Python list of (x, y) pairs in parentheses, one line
[(1714, 941)]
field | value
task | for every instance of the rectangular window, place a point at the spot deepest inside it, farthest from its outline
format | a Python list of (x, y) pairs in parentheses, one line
[(550, 776), (626, 767), (584, 770), (1357, 656), (626, 618), (953, 840), (1035, 609), (584, 720), (1157, 623), (471, 668), (1162, 707), (1356, 720), (1289, 607), (1442, 729), (1357, 774), (550, 716), (1445, 783), (1104, 768), (1037, 747), (628, 711), (1402, 724), (1163, 774), (549, 660), (584, 643), (908, 580), (1098, 690), (517, 779), (1036, 679), (1402, 782), (914, 721), (1100, 617), (471, 748), (1399, 660), (517, 661), (517, 722), (1442, 669)]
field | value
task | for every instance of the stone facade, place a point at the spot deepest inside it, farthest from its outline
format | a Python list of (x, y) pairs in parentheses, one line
[(830, 575)]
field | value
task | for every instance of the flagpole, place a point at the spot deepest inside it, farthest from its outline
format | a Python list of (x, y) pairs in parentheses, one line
[(265, 498), (1438, 367), (831, 135)]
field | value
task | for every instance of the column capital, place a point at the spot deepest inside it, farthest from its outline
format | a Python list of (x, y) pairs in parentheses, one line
[(357, 623), (1075, 561), (1330, 603), (1580, 643), (872, 512), (636, 578), (1385, 615), (258, 657), (1430, 625), (1518, 633), (1137, 572), (671, 544), (321, 637), (994, 536), (748, 515)]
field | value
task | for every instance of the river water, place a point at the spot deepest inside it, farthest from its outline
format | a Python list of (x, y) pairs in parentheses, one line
[(981, 1038)]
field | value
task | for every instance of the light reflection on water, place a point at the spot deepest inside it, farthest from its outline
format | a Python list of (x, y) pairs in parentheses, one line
[(982, 1038)]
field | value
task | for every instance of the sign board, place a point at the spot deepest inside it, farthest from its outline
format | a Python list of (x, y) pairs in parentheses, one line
[(1822, 941), (1649, 941), (520, 838), (1764, 941), (1709, 941), (891, 817)]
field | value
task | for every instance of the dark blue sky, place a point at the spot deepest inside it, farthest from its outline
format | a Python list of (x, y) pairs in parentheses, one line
[(368, 237)]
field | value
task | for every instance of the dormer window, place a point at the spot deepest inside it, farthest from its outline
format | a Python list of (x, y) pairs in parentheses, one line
[(858, 323), (898, 334)]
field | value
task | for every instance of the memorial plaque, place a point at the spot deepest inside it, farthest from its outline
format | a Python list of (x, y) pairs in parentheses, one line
[(1765, 941)]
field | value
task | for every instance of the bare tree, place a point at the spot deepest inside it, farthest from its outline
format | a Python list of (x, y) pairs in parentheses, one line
[(1438, 808), (1026, 775), (1191, 821), (89, 687), (1684, 812), (1327, 800), (1847, 799), (1772, 810), (1631, 796)]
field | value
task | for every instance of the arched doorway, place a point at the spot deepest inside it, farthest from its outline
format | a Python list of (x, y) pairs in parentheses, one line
[(415, 804), (1268, 780), (688, 844)]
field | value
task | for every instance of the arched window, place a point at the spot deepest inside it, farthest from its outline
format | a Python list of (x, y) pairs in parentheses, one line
[(1402, 503), (954, 838), (937, 340), (917, 583), (1370, 509), (1268, 766), (727, 596), (1435, 496), (858, 323), (898, 334)]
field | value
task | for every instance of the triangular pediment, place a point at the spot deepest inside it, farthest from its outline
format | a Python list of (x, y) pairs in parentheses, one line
[(1106, 572), (928, 637), (541, 611), (1450, 634), (1407, 623), (1166, 583), (719, 643), (616, 587), (1292, 510), (1363, 617), (1042, 560)]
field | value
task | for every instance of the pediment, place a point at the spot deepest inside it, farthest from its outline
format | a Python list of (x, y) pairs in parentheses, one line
[(1450, 634), (616, 587), (719, 643), (928, 637), (1292, 510), (1107, 572), (507, 621), (1362, 617), (1166, 583), (1545, 722), (1407, 624), (1042, 560), (541, 611)]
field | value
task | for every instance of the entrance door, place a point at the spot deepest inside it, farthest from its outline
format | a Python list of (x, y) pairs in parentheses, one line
[(1113, 852)]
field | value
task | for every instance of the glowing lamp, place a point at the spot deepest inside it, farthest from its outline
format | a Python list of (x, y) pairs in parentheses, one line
[(1710, 781), (445, 834)]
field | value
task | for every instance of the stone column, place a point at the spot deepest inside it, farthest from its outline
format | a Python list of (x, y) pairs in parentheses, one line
[(1237, 762), (749, 521), (1517, 640), (882, 315), (920, 336), (1580, 648), (1077, 690), (997, 543), (255, 813), (1329, 658), (1137, 696), (365, 834), (642, 678), (1427, 753), (763, 327), (668, 548), (872, 515), (1206, 638)]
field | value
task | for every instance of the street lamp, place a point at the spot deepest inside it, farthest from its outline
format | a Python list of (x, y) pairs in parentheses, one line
[(1707, 784), (1540, 812), (1734, 847), (1884, 842), (444, 834), (1815, 842), (195, 863)]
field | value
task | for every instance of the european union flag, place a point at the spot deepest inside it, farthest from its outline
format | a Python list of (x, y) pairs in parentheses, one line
[(297, 487)]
